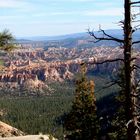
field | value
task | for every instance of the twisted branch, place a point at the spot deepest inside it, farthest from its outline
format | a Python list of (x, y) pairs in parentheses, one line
[(136, 2), (106, 61), (108, 37)]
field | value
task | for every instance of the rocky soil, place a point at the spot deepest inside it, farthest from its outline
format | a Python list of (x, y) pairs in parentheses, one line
[(8, 131)]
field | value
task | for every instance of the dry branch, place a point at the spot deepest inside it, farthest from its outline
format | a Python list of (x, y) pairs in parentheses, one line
[(104, 37), (106, 61), (136, 2), (135, 42)]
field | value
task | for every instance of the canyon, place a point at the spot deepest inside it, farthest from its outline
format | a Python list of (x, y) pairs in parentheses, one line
[(33, 68)]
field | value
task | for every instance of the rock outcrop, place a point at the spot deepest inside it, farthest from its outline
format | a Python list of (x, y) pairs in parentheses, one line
[(8, 131), (31, 137), (34, 68)]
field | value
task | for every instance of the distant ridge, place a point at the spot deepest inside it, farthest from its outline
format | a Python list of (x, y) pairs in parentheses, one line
[(80, 40), (59, 37), (114, 32)]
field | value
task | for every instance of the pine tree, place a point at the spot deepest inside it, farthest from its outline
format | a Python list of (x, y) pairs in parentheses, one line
[(81, 121), (119, 121), (6, 41)]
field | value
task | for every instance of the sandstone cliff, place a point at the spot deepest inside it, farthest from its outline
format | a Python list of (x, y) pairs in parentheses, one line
[(8, 131), (32, 69)]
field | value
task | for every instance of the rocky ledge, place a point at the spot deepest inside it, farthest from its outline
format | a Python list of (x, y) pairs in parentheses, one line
[(9, 131)]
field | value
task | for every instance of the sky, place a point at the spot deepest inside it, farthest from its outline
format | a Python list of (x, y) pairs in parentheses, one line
[(58, 17)]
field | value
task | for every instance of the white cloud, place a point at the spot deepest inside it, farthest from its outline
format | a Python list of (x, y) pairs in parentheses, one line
[(9, 17), (62, 13), (57, 13), (72, 0), (82, 0), (105, 12), (11, 3)]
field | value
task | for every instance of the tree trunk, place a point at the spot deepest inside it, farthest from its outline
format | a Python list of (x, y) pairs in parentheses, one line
[(130, 108), (127, 65)]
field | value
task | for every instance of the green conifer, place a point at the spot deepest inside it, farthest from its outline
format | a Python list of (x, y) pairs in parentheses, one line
[(81, 121)]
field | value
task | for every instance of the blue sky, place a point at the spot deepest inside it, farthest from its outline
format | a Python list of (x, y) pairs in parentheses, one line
[(57, 17)]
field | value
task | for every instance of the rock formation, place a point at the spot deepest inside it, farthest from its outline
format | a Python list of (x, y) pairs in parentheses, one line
[(34, 68), (8, 131)]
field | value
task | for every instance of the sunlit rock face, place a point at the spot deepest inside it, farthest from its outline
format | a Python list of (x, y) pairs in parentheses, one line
[(34, 76), (33, 68), (8, 131)]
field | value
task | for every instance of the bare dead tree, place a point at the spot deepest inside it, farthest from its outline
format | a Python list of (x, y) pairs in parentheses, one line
[(132, 107)]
